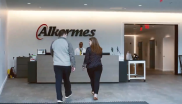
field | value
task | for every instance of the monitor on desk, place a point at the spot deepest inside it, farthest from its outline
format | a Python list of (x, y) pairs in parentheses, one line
[(41, 51)]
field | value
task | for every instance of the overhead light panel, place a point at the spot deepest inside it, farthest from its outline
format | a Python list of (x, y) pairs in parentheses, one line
[(167, 36), (85, 4), (139, 5), (28, 3), (152, 38)]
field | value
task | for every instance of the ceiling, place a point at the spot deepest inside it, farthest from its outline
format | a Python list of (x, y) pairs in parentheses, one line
[(135, 29), (97, 5)]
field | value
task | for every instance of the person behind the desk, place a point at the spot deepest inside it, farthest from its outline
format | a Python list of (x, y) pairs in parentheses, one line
[(80, 50), (64, 61)]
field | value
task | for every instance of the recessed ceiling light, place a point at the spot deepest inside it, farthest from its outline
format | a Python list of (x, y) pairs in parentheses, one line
[(85, 4), (139, 5), (152, 38), (28, 3), (167, 36), (39, 7)]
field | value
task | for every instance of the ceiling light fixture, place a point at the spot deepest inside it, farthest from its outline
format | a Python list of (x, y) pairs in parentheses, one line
[(167, 36), (152, 38), (28, 3), (85, 4), (39, 7), (139, 5)]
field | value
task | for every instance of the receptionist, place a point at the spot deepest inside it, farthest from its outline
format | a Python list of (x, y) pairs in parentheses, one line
[(80, 50)]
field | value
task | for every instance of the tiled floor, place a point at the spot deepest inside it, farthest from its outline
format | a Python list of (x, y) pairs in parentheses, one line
[(159, 89)]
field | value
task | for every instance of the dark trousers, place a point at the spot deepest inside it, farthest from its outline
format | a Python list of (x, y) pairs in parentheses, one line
[(62, 72), (95, 74)]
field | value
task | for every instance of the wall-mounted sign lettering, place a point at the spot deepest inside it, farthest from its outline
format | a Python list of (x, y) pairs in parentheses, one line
[(53, 31)]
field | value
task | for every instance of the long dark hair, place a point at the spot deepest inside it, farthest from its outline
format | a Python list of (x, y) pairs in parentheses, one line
[(95, 47)]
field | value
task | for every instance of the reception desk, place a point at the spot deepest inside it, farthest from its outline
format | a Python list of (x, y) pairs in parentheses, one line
[(110, 73)]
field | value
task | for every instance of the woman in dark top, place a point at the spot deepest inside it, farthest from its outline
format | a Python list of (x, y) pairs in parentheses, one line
[(93, 64)]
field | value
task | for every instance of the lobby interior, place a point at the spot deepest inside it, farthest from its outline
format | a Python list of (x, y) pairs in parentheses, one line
[(20, 19)]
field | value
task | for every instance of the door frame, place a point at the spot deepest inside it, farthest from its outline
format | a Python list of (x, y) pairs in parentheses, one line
[(175, 40), (150, 52), (141, 51)]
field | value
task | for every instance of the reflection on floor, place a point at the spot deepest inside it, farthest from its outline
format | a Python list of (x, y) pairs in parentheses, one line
[(149, 71), (158, 89)]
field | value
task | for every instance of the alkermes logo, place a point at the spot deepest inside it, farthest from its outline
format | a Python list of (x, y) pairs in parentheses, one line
[(53, 31)]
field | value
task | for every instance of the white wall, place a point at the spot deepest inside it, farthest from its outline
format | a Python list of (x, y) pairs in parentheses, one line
[(168, 53), (158, 35), (159, 48), (145, 44), (129, 44), (3, 54), (22, 26)]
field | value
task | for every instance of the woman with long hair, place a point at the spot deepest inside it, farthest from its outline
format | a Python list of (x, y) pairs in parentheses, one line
[(93, 64)]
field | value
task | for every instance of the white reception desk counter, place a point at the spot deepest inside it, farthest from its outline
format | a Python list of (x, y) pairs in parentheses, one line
[(110, 73)]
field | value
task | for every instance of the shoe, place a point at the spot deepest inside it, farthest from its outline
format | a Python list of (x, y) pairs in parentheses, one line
[(59, 101), (68, 96), (92, 93), (95, 97)]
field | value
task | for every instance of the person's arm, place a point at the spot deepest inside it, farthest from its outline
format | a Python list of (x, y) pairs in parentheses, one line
[(71, 54), (84, 50), (101, 55), (51, 50), (76, 51), (86, 60)]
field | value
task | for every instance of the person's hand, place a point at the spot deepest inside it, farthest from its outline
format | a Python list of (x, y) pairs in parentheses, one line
[(73, 69), (83, 68)]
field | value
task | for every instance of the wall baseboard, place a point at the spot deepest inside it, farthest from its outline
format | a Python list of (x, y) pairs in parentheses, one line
[(158, 69), (2, 86), (168, 70)]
